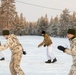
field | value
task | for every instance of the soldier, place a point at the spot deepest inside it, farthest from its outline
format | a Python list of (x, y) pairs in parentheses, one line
[(48, 42), (71, 35), (16, 50)]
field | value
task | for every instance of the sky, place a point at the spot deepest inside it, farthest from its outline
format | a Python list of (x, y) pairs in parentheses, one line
[(32, 13)]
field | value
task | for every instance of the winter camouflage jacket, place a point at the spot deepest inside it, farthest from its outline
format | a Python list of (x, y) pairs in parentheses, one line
[(47, 41), (72, 52), (13, 44)]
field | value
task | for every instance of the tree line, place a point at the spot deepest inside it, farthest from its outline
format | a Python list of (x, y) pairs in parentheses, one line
[(17, 24)]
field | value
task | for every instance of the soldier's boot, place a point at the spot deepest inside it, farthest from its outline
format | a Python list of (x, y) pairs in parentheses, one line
[(2, 59), (54, 60), (49, 61)]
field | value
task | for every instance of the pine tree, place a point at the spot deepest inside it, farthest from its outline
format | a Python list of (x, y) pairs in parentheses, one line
[(65, 22), (50, 26), (73, 19), (8, 14), (55, 27), (43, 24)]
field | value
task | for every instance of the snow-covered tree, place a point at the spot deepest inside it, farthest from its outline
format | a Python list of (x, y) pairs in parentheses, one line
[(8, 14), (43, 24), (65, 22)]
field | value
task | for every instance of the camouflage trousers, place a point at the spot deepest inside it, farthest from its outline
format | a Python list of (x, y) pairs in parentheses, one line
[(73, 70), (15, 64)]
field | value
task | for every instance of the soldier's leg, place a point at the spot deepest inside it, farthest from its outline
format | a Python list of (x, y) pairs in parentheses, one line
[(50, 53), (73, 70), (17, 60), (13, 72), (1, 56), (48, 57)]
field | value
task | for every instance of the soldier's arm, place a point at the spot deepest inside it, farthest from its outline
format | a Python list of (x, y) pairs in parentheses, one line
[(5, 46), (71, 52), (41, 44)]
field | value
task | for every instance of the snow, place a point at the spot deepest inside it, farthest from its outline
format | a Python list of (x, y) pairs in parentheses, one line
[(33, 62)]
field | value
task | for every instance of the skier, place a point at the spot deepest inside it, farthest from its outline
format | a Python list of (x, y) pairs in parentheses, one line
[(71, 35), (48, 42), (16, 50), (1, 55)]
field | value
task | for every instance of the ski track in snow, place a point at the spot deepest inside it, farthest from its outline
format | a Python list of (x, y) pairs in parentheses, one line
[(33, 62)]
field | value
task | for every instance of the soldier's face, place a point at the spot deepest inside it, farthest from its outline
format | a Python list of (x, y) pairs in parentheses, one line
[(70, 36), (43, 34), (6, 36)]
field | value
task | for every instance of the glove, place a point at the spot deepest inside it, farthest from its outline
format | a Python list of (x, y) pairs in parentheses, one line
[(24, 52), (61, 48), (44, 45)]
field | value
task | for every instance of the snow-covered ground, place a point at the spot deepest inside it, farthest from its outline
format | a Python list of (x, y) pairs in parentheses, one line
[(33, 62)]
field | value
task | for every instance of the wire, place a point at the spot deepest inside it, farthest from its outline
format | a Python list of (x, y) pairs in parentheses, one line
[(41, 6)]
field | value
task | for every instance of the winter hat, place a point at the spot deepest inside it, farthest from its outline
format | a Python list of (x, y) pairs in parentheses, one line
[(71, 31), (43, 32), (5, 32)]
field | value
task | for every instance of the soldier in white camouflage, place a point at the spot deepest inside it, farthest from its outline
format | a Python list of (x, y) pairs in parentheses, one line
[(16, 50), (72, 51)]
